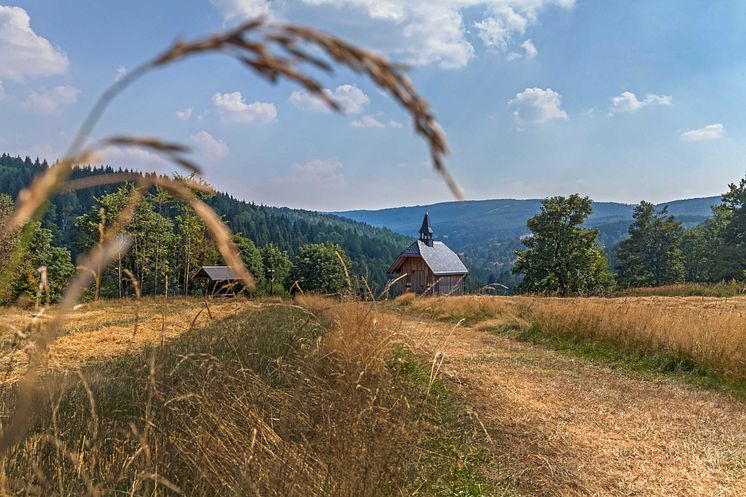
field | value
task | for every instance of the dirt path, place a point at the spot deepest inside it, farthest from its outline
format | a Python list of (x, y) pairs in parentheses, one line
[(565, 426)]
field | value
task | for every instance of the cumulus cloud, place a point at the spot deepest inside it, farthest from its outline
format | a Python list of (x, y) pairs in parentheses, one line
[(628, 102), (395, 124), (529, 51), (132, 158), (50, 100), (120, 72), (498, 30), (233, 109), (352, 99), (318, 173), (536, 106), (2, 91), (367, 122), (709, 132), (184, 115), (23, 53), (317, 184), (433, 32), (241, 10), (209, 148)]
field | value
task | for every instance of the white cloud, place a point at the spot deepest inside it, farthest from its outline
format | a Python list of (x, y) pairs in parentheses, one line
[(709, 132), (318, 173), (50, 100), (2, 91), (184, 115), (120, 72), (352, 99), (373, 121), (433, 32), (317, 184), (367, 122), (210, 149), (132, 158), (498, 30), (233, 109), (628, 102), (529, 51), (23, 53), (241, 10), (536, 106)]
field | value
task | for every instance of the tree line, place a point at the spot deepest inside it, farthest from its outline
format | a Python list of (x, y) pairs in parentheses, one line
[(562, 256), (169, 245), (370, 250)]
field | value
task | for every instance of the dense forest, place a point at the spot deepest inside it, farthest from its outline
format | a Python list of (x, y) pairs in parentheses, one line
[(72, 218)]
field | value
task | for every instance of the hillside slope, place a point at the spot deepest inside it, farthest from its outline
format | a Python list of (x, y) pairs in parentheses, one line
[(486, 232), (371, 249), (485, 219)]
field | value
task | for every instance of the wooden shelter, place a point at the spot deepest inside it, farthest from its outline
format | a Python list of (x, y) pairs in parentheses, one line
[(222, 279), (428, 267)]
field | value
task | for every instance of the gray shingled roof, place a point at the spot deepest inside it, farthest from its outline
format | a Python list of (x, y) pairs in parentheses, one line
[(439, 258), (217, 273)]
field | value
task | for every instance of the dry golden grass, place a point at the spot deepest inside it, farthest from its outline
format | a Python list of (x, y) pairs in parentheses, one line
[(563, 426), (266, 398), (723, 289), (101, 330), (709, 331)]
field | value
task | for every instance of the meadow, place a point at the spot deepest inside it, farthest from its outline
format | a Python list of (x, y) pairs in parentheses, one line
[(318, 396), (705, 336), (234, 397)]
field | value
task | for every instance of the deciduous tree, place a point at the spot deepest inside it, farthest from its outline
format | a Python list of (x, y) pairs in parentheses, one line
[(561, 256), (318, 268)]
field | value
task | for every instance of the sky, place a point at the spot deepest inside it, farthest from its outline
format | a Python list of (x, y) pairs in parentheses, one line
[(620, 100)]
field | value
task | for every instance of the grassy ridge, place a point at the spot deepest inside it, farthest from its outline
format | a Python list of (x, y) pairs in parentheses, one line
[(276, 400)]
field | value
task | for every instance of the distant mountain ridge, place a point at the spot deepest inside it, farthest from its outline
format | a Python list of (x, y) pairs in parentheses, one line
[(498, 215), (486, 232)]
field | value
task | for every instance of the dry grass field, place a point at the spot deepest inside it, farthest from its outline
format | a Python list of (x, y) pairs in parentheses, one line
[(252, 398), (315, 397), (560, 425), (691, 332), (104, 330)]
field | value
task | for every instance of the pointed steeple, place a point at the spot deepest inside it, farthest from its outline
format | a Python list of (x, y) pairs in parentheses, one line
[(426, 231)]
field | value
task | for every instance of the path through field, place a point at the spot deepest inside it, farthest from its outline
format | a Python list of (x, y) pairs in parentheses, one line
[(565, 426)]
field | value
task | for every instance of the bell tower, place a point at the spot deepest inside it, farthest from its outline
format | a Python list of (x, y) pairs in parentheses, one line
[(426, 231)]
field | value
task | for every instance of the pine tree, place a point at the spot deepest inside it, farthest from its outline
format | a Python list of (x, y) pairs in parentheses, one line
[(650, 255)]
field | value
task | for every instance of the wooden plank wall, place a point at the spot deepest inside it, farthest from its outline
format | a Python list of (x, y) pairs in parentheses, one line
[(449, 285), (419, 279), (419, 275)]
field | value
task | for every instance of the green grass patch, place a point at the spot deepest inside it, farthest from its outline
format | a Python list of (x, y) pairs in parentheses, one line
[(453, 459)]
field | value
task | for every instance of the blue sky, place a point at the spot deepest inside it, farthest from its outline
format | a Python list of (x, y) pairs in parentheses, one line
[(619, 100)]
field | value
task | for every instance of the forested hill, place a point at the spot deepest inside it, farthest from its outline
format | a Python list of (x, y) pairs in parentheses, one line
[(371, 249), (487, 232), (474, 220)]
